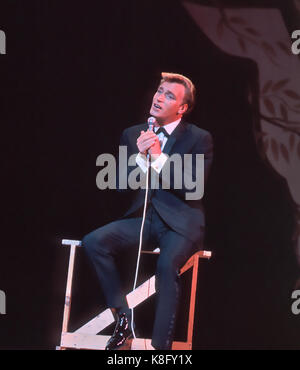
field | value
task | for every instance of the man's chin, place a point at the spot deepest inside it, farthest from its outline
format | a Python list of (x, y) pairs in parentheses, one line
[(153, 113), (156, 116)]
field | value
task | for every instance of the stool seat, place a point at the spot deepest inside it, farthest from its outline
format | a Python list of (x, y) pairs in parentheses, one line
[(87, 337)]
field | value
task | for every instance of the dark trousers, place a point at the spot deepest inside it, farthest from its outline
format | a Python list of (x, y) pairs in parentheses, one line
[(103, 244)]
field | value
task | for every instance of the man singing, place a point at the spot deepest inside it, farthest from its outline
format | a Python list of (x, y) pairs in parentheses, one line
[(174, 222)]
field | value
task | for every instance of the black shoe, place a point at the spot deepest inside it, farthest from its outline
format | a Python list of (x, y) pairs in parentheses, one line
[(121, 333)]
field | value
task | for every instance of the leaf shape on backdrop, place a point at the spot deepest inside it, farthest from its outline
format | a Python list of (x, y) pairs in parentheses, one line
[(269, 105), (267, 86), (292, 94), (284, 152), (252, 31), (278, 85), (292, 141), (237, 20), (284, 112)]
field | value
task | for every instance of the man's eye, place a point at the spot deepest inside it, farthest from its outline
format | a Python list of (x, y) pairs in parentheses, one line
[(170, 96)]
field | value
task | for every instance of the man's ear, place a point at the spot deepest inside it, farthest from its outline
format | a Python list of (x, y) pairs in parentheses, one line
[(183, 108)]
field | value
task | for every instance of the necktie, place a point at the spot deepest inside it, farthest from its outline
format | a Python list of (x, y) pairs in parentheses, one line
[(162, 134), (163, 131)]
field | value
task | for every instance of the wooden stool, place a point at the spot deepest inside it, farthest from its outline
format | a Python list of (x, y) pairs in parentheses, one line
[(86, 336)]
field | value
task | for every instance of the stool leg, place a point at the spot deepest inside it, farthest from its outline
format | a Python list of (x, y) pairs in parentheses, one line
[(193, 300), (67, 307)]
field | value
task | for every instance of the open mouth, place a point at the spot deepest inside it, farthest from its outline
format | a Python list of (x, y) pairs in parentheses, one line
[(156, 106)]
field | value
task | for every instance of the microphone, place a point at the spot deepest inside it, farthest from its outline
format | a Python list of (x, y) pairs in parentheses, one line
[(151, 122)]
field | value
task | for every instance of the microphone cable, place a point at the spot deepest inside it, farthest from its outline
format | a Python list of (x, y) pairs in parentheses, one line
[(151, 121)]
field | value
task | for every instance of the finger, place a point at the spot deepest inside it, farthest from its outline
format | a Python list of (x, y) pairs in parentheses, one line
[(146, 144), (146, 136), (143, 134), (149, 141)]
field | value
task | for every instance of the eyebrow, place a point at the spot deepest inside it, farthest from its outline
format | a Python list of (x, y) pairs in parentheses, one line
[(167, 91)]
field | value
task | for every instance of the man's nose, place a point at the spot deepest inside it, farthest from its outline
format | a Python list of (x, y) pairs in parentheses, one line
[(160, 97)]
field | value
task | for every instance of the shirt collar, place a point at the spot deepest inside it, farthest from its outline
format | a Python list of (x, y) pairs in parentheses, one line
[(170, 127)]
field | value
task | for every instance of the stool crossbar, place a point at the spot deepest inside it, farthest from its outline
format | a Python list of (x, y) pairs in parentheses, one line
[(87, 337)]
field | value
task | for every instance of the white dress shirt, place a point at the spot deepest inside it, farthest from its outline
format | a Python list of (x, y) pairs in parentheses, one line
[(161, 160)]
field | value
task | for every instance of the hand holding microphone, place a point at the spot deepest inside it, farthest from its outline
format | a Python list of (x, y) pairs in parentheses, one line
[(148, 142)]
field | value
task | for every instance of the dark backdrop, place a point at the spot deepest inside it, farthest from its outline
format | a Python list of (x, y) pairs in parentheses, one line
[(74, 76)]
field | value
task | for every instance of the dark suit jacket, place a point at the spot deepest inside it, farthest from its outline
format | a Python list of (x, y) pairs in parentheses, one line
[(184, 216)]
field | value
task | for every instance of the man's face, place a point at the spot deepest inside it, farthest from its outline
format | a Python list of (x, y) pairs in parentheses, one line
[(167, 104)]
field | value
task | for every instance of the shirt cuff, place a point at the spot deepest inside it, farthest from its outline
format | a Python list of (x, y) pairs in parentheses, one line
[(158, 164), (141, 161)]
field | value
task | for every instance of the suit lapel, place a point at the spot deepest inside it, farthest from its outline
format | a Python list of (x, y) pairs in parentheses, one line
[(175, 136)]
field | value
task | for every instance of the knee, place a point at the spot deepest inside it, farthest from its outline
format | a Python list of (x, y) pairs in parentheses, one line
[(167, 267), (97, 241), (89, 243)]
